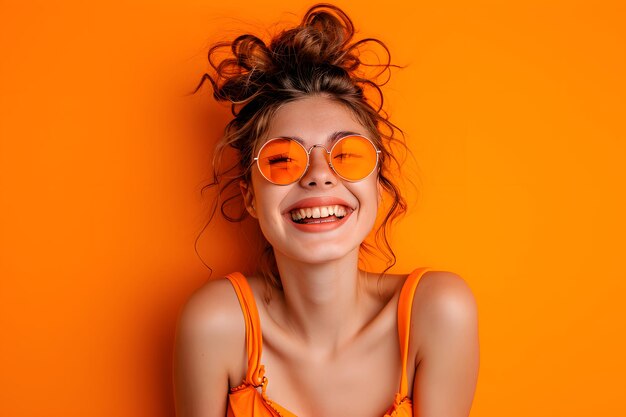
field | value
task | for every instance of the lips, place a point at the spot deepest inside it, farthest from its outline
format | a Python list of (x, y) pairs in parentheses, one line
[(321, 212)]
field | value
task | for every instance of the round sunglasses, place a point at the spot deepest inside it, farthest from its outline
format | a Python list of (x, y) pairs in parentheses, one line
[(283, 161)]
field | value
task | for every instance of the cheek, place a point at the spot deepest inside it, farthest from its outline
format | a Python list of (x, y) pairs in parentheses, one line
[(372, 192), (369, 200), (268, 198), (377, 195)]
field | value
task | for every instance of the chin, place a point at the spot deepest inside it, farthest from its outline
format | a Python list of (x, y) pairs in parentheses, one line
[(320, 253)]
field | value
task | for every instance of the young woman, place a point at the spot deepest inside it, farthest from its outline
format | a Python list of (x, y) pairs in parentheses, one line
[(311, 334)]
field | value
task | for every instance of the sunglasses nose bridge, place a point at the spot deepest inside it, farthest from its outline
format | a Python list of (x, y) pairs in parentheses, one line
[(311, 159), (326, 152)]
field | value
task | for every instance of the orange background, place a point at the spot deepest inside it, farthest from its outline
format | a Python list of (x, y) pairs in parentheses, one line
[(514, 110)]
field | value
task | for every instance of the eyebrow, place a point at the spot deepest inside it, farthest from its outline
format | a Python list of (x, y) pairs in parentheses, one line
[(331, 138)]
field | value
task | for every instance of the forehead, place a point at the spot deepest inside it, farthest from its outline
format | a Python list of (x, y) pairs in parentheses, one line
[(313, 120)]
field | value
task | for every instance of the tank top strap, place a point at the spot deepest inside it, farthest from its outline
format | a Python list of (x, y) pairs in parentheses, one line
[(254, 338), (405, 305)]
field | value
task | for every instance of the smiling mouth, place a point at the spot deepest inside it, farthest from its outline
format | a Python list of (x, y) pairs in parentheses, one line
[(320, 214)]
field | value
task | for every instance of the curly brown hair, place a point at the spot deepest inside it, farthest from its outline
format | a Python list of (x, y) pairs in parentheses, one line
[(316, 57)]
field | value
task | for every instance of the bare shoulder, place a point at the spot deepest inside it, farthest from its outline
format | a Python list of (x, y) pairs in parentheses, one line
[(212, 310), (441, 293), (445, 306), (209, 352), (444, 293)]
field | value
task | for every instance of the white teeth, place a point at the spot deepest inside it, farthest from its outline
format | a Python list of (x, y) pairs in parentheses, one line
[(318, 212)]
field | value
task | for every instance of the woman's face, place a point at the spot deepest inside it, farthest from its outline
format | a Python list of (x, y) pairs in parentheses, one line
[(314, 120)]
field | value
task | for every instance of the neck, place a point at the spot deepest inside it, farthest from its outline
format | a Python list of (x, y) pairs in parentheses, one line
[(322, 301)]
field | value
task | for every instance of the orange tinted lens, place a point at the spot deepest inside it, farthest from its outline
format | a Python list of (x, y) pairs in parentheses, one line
[(282, 161), (354, 157)]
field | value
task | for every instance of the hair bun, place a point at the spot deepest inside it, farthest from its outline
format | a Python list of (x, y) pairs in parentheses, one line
[(315, 55), (321, 38)]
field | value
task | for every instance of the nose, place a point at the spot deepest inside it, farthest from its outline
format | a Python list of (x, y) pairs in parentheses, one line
[(319, 173)]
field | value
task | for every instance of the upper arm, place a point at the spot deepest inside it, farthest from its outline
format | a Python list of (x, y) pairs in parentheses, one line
[(448, 357), (210, 337)]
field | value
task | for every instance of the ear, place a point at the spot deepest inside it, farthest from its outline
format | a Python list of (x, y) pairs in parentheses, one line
[(248, 197)]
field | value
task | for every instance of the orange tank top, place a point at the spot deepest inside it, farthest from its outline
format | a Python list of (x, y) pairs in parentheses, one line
[(245, 400)]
